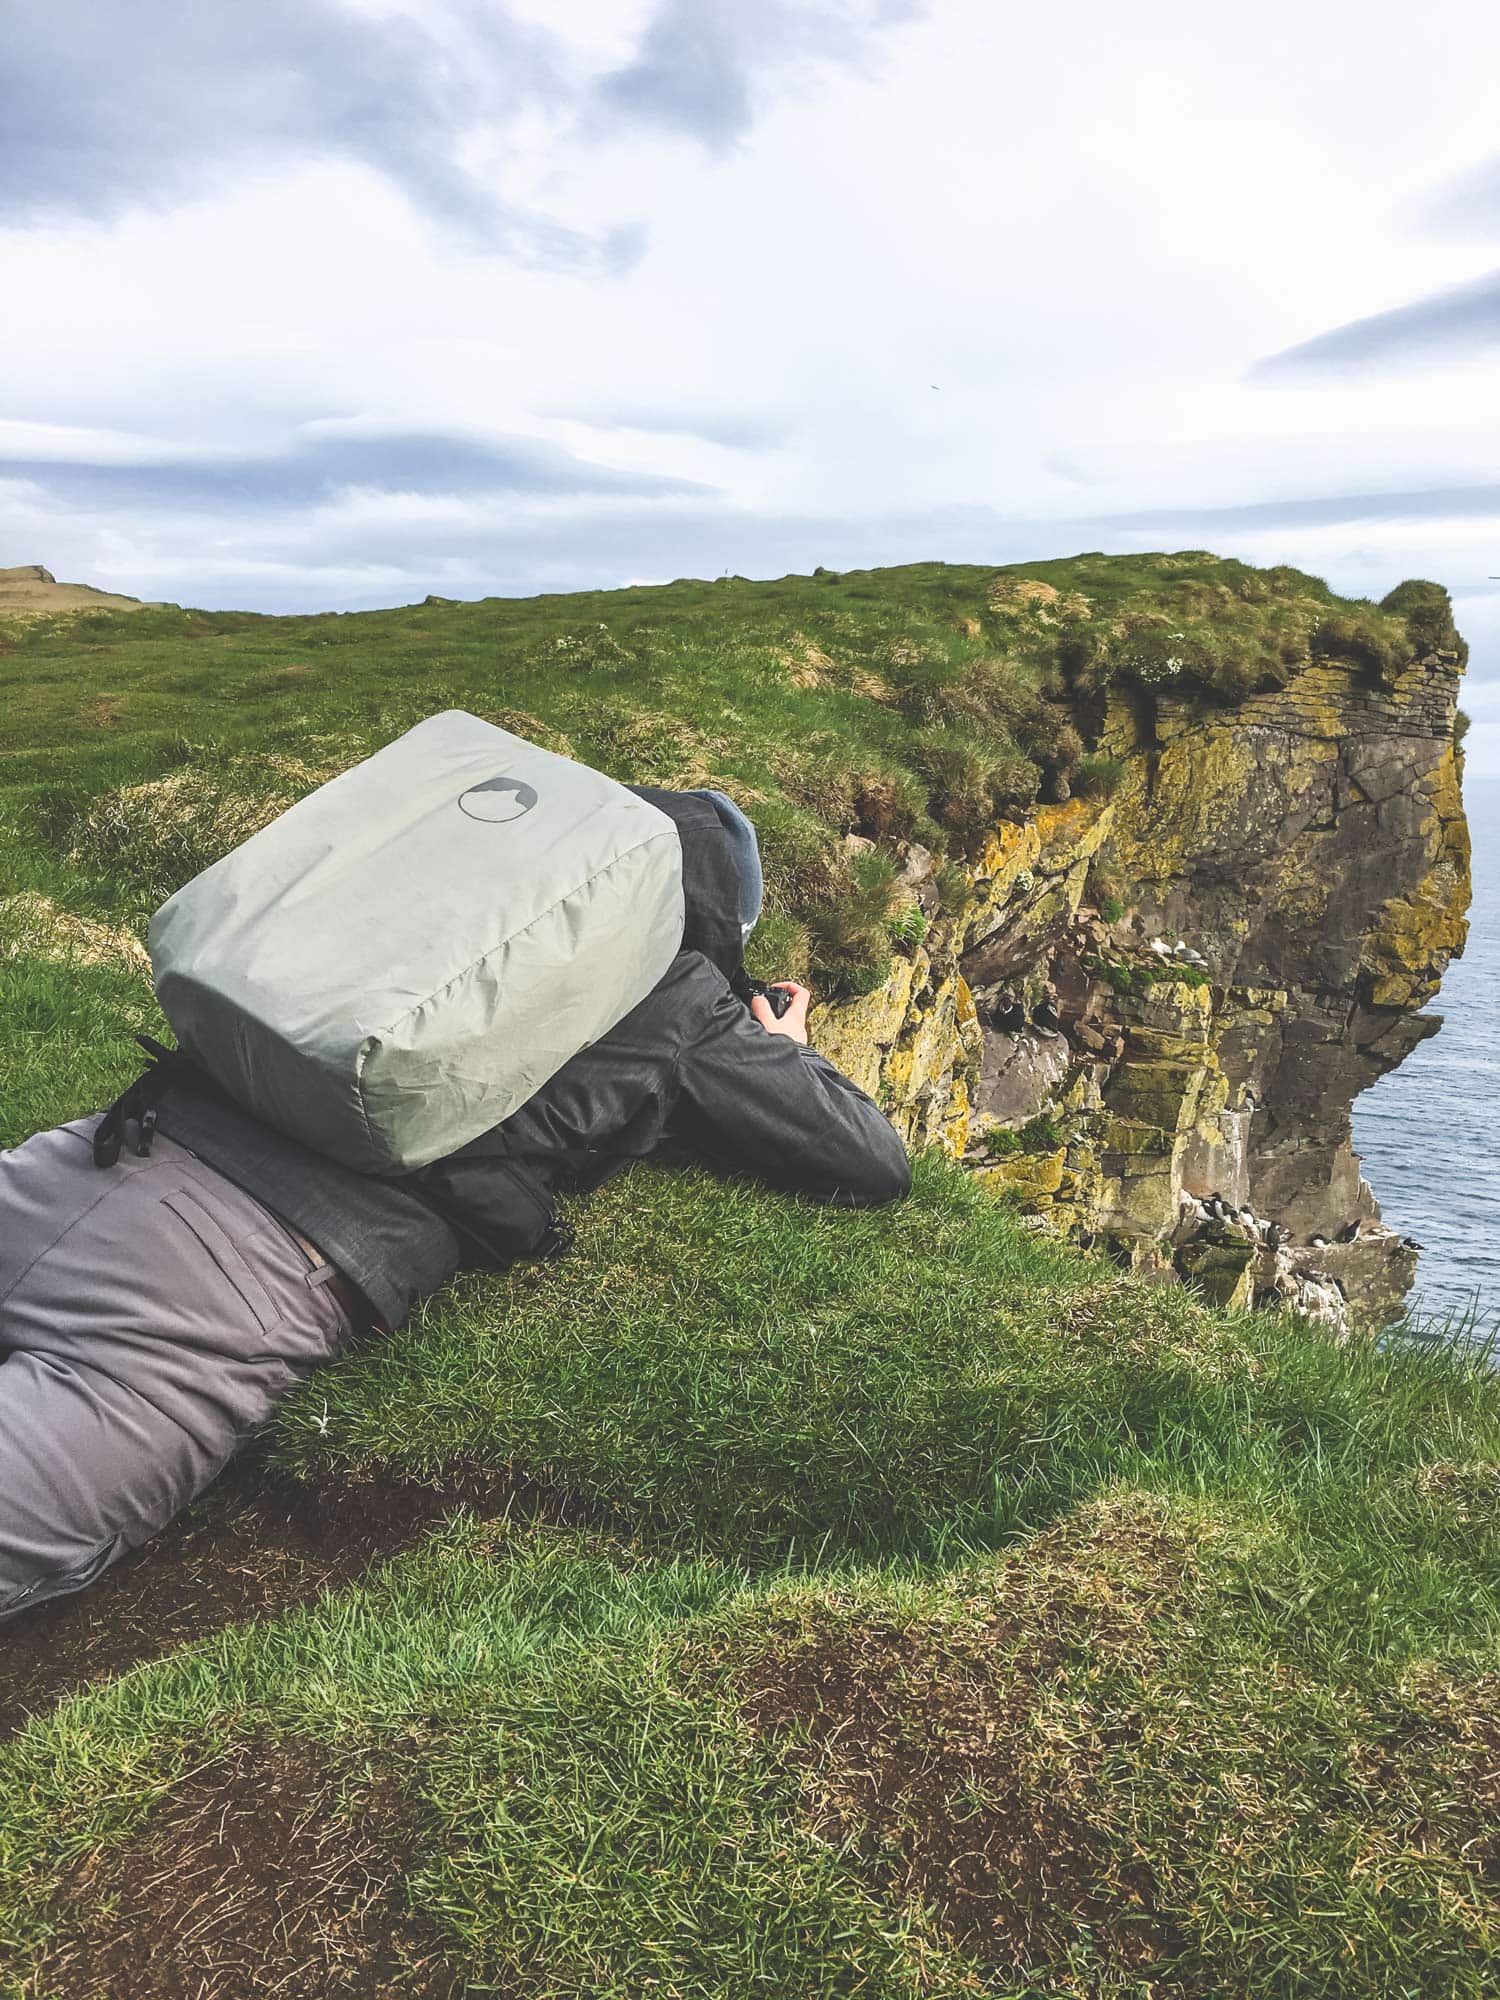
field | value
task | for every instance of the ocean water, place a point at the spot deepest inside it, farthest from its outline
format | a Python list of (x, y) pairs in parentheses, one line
[(1429, 1132)]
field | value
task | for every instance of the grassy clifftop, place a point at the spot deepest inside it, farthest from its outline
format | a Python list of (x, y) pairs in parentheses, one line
[(919, 703), (892, 1604)]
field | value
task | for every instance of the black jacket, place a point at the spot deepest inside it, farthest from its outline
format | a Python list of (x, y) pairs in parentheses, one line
[(692, 1065), (689, 1067)]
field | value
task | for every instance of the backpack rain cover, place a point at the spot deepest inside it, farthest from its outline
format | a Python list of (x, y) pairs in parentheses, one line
[(407, 955)]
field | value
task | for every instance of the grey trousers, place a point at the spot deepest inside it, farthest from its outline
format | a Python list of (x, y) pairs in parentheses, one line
[(151, 1316)]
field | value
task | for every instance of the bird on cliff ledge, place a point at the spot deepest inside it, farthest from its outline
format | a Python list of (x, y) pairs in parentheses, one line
[(1008, 1015), (1046, 1019)]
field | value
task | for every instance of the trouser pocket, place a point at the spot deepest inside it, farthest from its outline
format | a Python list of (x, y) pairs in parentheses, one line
[(190, 1209)]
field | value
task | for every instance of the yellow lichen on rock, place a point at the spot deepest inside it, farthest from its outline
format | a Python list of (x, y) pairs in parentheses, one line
[(857, 1035), (1006, 861), (966, 1018), (953, 1133), (1028, 1175), (1416, 935), (1073, 832), (926, 1047), (1277, 882)]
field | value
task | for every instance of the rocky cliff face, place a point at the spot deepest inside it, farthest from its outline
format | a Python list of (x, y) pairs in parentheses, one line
[(1150, 1017)]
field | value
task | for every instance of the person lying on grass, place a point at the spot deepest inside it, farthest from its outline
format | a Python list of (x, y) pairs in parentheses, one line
[(170, 1270)]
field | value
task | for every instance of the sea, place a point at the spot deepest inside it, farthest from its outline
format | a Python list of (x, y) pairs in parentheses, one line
[(1429, 1132)]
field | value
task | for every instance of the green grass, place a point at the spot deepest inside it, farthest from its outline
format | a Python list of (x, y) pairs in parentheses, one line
[(921, 703), (1037, 1135), (612, 1804), (918, 1539), (1126, 978)]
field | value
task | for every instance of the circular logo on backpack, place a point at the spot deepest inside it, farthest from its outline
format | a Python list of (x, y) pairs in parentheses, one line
[(498, 799)]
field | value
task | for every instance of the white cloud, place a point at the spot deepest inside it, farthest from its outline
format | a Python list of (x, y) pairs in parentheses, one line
[(1084, 227)]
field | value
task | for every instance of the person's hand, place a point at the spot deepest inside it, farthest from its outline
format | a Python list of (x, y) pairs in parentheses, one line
[(793, 1023)]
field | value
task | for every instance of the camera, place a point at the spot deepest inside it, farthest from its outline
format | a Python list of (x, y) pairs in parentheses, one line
[(777, 996)]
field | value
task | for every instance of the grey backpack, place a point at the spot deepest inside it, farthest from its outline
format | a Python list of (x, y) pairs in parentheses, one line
[(405, 956)]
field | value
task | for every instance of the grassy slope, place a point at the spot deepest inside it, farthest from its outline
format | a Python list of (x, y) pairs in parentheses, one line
[(928, 1542)]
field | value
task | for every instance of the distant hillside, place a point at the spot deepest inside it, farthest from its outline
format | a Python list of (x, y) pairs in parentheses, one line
[(29, 591)]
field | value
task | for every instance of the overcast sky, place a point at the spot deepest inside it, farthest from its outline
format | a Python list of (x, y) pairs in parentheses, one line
[(317, 304)]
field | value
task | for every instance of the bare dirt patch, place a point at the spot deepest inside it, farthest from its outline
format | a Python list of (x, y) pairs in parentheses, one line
[(882, 807), (962, 1757), (255, 1546), (263, 1871)]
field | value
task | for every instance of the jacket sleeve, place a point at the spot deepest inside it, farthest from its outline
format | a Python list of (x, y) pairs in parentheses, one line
[(752, 1102)]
